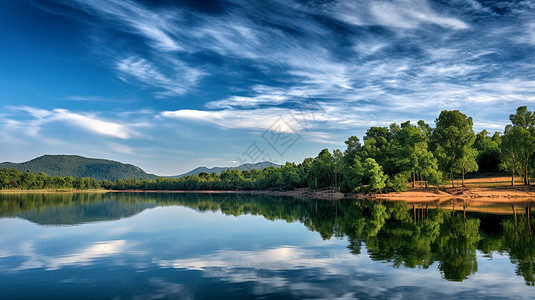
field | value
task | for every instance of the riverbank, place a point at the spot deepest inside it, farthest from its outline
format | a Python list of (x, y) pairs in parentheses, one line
[(491, 189)]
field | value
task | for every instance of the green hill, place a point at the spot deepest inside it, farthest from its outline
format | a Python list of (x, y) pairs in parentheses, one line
[(218, 170), (79, 166)]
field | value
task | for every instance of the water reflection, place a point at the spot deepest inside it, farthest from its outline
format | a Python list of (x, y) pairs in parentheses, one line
[(365, 249)]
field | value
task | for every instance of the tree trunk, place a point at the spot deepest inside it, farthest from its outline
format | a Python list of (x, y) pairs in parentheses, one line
[(451, 172), (513, 175), (413, 178), (462, 180), (526, 175)]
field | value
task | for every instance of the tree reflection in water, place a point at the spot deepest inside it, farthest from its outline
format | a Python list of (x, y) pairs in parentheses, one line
[(408, 235)]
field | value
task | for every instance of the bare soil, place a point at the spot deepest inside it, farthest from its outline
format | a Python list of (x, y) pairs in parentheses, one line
[(489, 188)]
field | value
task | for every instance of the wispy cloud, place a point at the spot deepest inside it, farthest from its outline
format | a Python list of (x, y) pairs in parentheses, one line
[(406, 14), (154, 26), (88, 122), (177, 81)]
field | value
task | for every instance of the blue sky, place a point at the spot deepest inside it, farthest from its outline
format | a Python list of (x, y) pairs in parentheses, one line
[(172, 85)]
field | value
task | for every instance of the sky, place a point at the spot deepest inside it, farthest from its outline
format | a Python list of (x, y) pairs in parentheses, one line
[(173, 85)]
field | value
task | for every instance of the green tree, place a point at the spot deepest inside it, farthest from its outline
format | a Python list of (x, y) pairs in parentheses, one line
[(377, 145), (374, 173), (511, 142), (523, 122), (350, 166), (411, 151), (453, 140), (321, 172)]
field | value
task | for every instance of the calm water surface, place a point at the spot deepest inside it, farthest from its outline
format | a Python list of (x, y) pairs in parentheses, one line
[(225, 246)]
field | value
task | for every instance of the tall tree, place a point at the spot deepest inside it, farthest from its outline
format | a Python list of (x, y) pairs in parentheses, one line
[(377, 145), (511, 142), (321, 172), (374, 173), (453, 140), (351, 171), (523, 122), (411, 152)]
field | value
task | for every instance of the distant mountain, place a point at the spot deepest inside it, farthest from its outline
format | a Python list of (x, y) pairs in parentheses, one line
[(218, 170), (79, 166)]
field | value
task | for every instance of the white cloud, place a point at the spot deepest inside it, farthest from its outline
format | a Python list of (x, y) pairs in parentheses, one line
[(92, 124), (230, 118), (404, 14), (154, 26), (86, 121), (178, 82)]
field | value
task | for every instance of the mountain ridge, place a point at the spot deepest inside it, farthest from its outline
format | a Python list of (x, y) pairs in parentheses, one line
[(247, 166), (79, 166)]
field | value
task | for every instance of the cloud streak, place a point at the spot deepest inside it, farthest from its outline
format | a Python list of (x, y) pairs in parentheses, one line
[(88, 122)]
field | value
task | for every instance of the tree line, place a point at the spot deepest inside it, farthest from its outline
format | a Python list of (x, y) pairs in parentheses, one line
[(387, 160), (15, 179)]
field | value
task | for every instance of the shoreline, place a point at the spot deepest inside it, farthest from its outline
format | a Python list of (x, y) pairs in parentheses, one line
[(302, 193), (488, 190), (414, 195)]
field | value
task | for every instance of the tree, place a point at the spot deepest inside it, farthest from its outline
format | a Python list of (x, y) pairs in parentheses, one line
[(377, 145), (292, 176), (523, 122), (352, 174), (411, 151), (508, 149), (468, 163), (321, 172), (374, 173), (453, 140), (350, 166)]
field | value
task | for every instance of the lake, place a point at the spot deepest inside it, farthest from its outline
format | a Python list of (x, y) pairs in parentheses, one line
[(238, 246)]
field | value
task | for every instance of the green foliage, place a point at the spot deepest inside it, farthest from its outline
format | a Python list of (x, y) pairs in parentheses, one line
[(15, 179), (398, 182), (453, 140), (321, 171), (352, 174), (373, 172)]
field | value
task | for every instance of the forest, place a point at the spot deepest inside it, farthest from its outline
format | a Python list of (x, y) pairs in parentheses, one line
[(387, 159)]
